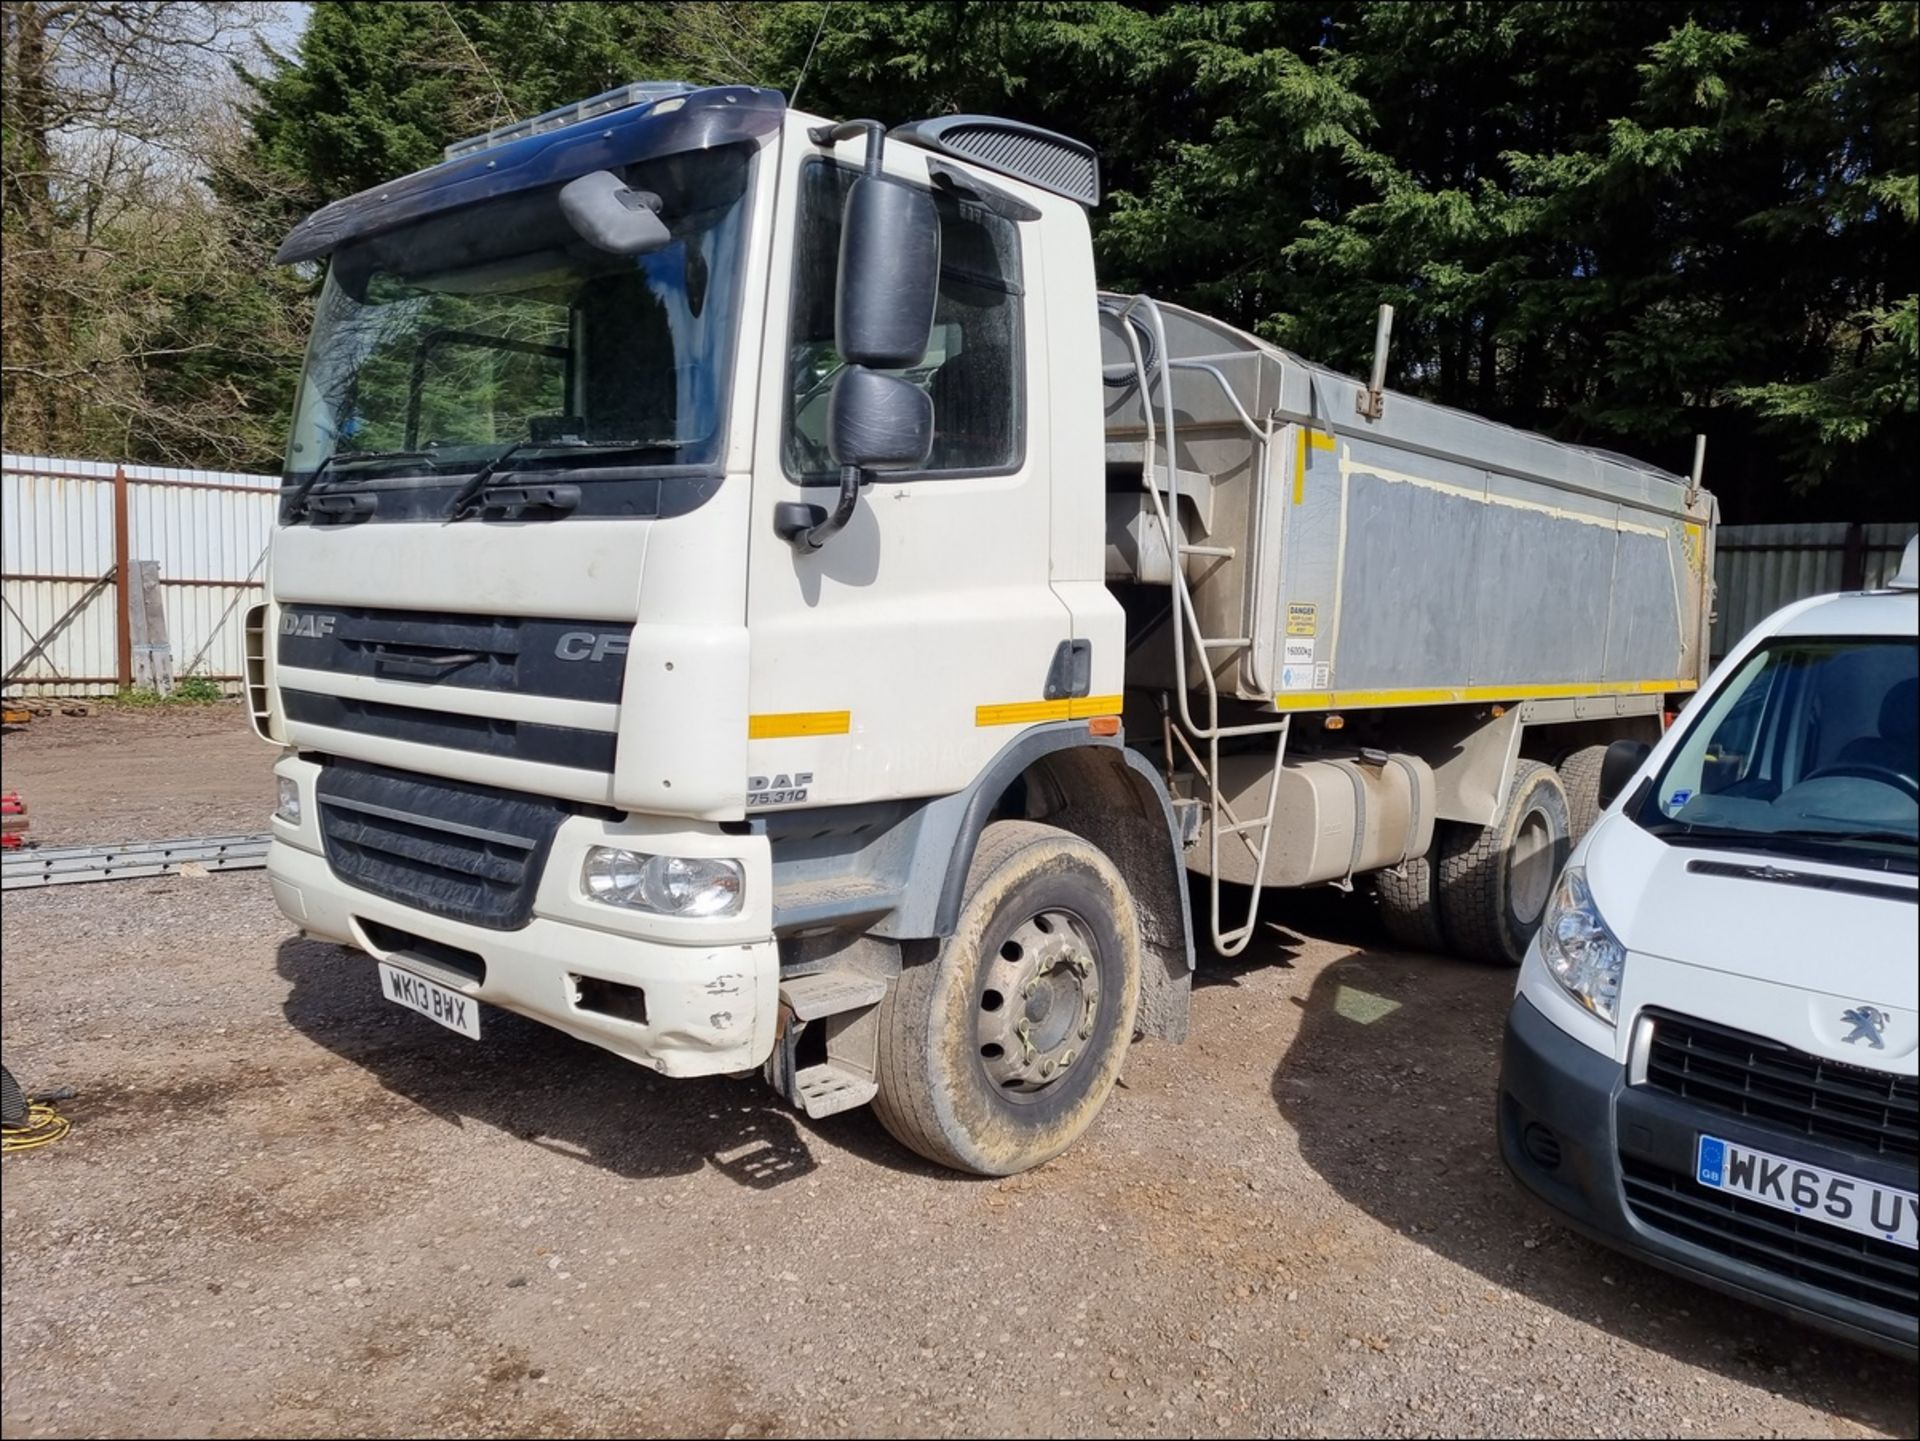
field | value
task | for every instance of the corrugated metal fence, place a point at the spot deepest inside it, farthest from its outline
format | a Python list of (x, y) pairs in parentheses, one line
[(73, 528), (1759, 568)]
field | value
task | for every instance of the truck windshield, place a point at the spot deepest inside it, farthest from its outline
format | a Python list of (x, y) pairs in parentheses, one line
[(438, 346), (1809, 749)]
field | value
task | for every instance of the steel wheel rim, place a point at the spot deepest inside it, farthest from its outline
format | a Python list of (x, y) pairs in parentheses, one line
[(1531, 869), (1038, 1004)]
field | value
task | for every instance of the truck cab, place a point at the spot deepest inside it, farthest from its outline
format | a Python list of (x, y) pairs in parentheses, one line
[(575, 723)]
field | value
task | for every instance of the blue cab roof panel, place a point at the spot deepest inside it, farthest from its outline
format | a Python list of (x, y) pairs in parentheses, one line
[(698, 120)]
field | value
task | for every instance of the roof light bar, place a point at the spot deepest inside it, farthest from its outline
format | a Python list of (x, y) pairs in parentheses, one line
[(641, 92)]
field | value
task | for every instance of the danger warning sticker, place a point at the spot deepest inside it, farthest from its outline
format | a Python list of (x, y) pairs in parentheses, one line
[(1303, 618)]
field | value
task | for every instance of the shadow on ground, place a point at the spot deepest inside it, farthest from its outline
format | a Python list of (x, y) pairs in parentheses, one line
[(563, 1095), (1390, 1085)]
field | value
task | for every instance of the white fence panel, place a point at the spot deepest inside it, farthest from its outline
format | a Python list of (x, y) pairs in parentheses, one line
[(206, 529)]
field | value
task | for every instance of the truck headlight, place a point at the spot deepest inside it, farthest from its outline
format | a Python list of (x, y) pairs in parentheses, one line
[(666, 885), (1582, 953), (288, 808)]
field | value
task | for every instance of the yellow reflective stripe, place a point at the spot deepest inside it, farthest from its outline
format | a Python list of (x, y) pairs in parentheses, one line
[(799, 723), (1448, 695), (1028, 712), (1304, 439)]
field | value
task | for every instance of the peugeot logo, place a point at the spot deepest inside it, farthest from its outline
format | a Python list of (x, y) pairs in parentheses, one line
[(1868, 1023)]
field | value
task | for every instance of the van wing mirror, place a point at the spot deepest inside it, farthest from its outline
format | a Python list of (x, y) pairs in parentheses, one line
[(1617, 767), (610, 217)]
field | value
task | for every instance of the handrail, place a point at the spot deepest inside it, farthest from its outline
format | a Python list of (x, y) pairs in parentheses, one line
[(1186, 621)]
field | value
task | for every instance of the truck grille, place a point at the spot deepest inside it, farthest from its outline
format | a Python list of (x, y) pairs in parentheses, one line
[(484, 735), (1761, 1080), (570, 659), (1860, 1267), (469, 853)]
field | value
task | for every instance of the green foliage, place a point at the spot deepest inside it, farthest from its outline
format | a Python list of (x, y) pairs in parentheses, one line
[(1620, 221), (188, 690)]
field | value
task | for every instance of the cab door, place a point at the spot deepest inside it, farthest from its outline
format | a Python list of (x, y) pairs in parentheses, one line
[(899, 658)]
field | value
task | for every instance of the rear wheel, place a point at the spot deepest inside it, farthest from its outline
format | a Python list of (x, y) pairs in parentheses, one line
[(1408, 907), (1580, 777), (996, 1055), (1494, 881)]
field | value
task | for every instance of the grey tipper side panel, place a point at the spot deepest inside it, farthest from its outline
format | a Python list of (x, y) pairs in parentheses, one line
[(1429, 551)]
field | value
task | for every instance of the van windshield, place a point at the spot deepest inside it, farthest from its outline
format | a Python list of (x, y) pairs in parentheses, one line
[(1810, 749), (438, 346)]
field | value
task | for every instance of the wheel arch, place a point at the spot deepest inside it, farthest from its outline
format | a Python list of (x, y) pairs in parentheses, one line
[(898, 870), (1099, 790)]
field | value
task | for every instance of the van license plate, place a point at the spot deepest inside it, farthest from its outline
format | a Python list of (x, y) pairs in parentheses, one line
[(1844, 1201), (451, 1009)]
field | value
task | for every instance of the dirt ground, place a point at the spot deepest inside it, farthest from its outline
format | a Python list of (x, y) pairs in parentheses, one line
[(289, 1208), (154, 773)]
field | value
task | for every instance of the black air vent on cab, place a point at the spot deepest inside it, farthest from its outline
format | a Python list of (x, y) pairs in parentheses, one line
[(1007, 147)]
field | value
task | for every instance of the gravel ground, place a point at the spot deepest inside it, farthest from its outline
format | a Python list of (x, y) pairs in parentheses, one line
[(290, 1208), (148, 774)]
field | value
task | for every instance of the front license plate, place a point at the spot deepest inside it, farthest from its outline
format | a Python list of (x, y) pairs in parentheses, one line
[(1844, 1201), (451, 1009)]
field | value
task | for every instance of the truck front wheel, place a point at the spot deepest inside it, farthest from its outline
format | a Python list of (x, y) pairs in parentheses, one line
[(995, 1055)]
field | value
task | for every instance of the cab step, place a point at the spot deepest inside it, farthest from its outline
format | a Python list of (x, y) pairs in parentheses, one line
[(826, 1090), (829, 993)]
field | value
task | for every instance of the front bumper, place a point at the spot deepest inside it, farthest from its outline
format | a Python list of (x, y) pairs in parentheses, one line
[(1602, 1129), (710, 1005)]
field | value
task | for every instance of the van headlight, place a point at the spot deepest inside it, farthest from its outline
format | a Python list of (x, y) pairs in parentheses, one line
[(665, 885), (1583, 955)]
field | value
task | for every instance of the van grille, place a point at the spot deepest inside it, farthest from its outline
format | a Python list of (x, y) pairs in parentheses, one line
[(1863, 1268), (1760, 1080)]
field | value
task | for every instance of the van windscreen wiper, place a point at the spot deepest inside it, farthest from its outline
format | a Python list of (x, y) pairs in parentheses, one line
[(468, 501)]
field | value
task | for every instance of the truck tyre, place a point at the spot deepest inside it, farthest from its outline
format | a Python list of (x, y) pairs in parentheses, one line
[(995, 1055), (1580, 778), (1408, 907), (1494, 881)]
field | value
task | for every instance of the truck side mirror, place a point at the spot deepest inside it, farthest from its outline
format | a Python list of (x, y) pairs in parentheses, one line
[(1622, 759), (889, 274), (878, 422), (889, 280)]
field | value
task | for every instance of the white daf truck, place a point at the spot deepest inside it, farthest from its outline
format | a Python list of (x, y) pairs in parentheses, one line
[(743, 596)]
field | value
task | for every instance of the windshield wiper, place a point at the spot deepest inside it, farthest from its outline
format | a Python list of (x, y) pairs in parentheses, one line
[(468, 501), (1798, 842), (296, 503), (1815, 833)]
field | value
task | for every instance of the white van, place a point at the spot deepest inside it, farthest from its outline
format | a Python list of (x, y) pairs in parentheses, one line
[(1710, 1061)]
